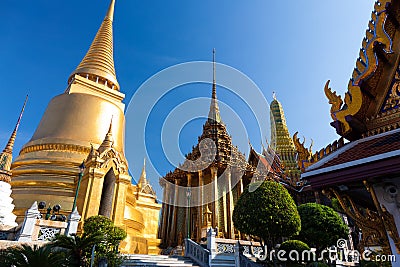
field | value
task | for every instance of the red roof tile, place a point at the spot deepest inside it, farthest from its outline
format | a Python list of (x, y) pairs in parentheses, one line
[(364, 148)]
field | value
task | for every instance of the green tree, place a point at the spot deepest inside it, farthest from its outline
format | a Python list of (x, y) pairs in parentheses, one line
[(77, 248), (36, 256), (294, 252), (321, 226), (111, 237), (268, 212)]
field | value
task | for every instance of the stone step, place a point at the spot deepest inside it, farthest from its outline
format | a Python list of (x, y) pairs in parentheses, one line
[(223, 260), (157, 261)]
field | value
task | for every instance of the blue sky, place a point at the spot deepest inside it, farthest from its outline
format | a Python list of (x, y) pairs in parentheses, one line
[(290, 47)]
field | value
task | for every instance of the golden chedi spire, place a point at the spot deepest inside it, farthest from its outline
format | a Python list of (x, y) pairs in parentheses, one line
[(98, 63), (6, 155), (282, 141), (47, 166)]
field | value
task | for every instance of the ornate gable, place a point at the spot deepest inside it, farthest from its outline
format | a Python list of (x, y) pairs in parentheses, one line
[(372, 90), (106, 158)]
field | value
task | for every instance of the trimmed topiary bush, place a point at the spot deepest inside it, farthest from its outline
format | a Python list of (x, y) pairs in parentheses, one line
[(269, 212), (294, 251)]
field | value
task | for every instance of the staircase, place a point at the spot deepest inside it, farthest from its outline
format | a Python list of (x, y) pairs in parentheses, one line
[(157, 260), (223, 260)]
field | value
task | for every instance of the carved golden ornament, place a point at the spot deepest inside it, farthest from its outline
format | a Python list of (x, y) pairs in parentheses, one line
[(5, 176), (335, 100), (43, 184), (366, 65), (352, 100), (391, 227), (375, 35), (370, 223), (304, 154), (106, 159), (394, 96), (56, 147)]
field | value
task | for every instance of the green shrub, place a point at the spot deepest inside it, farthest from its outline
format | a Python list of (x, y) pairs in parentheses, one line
[(269, 212), (299, 247)]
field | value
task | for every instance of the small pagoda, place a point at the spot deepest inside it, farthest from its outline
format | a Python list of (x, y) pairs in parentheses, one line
[(210, 181)]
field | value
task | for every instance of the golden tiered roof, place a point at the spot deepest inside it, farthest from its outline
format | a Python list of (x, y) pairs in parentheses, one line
[(98, 63)]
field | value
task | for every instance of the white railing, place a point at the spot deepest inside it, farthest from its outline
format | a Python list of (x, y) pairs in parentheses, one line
[(197, 253), (241, 260)]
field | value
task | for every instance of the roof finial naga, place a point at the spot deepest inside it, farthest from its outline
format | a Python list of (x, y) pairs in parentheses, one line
[(376, 39), (304, 155)]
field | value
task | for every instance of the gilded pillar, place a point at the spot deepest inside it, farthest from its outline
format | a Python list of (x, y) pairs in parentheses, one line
[(174, 222), (91, 188), (168, 222), (240, 187), (224, 205), (231, 232), (214, 180), (164, 212), (200, 207), (123, 181)]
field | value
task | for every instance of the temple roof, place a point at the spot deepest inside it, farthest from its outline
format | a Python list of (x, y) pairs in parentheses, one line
[(6, 155), (222, 153), (98, 63), (268, 163), (358, 155)]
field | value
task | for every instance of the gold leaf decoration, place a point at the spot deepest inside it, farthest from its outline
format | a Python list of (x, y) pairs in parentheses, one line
[(335, 100)]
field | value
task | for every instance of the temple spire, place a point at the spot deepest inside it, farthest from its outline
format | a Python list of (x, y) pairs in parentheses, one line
[(281, 139), (213, 114), (6, 155), (143, 179), (10, 143), (108, 141), (98, 63), (110, 11)]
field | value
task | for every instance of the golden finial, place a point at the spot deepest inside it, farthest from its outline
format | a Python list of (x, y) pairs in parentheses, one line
[(98, 63), (274, 95), (214, 74), (213, 114), (110, 12), (10, 144)]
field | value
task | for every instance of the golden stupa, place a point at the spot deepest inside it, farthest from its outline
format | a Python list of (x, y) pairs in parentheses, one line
[(87, 123)]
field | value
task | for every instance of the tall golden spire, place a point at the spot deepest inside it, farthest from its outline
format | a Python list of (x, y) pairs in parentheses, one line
[(143, 179), (282, 140), (6, 155), (213, 114), (98, 63), (10, 144)]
